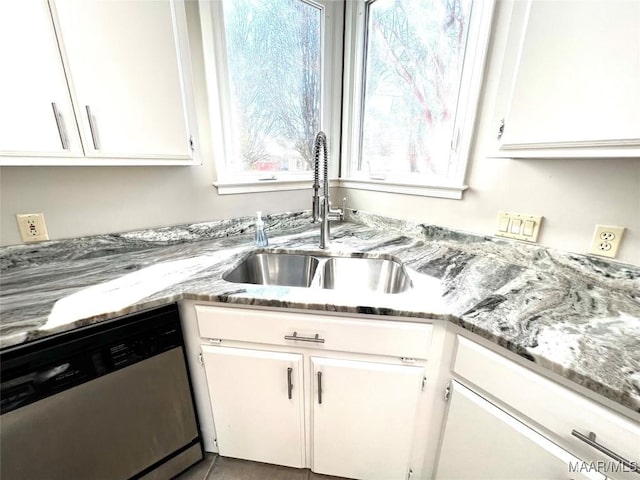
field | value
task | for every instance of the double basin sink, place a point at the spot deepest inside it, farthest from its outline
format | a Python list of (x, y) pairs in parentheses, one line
[(346, 274)]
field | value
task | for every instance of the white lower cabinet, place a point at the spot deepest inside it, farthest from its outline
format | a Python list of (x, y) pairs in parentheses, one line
[(481, 441), (550, 407), (338, 395), (349, 397), (257, 399), (363, 417)]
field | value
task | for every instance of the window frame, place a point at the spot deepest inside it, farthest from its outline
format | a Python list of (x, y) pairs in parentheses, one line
[(466, 111), (219, 98)]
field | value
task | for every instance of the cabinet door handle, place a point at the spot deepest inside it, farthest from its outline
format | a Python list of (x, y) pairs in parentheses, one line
[(295, 336), (62, 131), (93, 128), (319, 388), (289, 384), (591, 441)]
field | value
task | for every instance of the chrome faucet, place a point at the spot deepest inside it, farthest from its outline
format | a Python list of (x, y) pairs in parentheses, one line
[(321, 206)]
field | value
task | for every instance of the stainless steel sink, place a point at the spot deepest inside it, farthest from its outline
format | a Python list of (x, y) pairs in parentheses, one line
[(275, 269), (345, 274), (365, 274)]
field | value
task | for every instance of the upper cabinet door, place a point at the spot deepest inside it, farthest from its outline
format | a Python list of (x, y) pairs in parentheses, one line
[(36, 114), (126, 73), (575, 86)]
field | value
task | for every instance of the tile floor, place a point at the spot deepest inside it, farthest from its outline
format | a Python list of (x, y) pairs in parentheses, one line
[(214, 467)]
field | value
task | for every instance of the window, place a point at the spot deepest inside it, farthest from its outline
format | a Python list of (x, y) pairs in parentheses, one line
[(404, 121), (273, 67), (415, 81)]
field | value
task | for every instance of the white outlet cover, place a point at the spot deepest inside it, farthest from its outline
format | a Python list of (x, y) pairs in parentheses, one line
[(606, 240), (32, 227)]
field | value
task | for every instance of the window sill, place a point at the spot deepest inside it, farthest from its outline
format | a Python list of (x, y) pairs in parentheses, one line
[(440, 191), (257, 186)]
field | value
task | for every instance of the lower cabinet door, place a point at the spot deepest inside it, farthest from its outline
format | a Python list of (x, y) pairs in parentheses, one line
[(257, 402), (481, 441), (363, 418)]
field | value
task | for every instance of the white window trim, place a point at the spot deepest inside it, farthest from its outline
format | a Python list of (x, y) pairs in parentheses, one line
[(215, 61), (466, 113), (453, 192), (278, 185)]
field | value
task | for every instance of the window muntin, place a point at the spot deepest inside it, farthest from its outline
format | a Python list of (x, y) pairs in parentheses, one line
[(414, 56), (273, 52)]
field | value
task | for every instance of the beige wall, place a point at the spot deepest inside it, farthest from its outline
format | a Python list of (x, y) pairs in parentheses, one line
[(572, 195)]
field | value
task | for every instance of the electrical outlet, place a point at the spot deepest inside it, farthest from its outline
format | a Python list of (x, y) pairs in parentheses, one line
[(606, 240), (32, 227)]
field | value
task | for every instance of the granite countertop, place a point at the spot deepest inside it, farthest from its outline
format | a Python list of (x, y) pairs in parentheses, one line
[(575, 315)]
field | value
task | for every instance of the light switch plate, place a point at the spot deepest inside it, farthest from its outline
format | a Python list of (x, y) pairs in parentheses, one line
[(32, 227), (519, 226)]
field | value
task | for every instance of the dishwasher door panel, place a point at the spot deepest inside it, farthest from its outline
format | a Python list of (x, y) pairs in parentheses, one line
[(112, 427)]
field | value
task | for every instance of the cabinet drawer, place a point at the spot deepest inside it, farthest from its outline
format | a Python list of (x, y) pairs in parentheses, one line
[(378, 337), (550, 405), (494, 445)]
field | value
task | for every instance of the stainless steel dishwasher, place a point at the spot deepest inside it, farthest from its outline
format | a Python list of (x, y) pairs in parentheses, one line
[(107, 401)]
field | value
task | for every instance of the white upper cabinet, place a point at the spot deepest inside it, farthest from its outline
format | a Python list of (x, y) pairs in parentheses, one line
[(36, 114), (124, 62), (128, 83), (571, 80)]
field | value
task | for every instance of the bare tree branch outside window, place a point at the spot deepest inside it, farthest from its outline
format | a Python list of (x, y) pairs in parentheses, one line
[(415, 52), (273, 52)]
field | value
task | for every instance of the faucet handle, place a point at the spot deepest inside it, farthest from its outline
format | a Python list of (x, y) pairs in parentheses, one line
[(338, 213), (342, 211)]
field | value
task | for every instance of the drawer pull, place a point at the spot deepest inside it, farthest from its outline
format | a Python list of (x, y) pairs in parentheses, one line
[(295, 336), (591, 440), (289, 384), (319, 388)]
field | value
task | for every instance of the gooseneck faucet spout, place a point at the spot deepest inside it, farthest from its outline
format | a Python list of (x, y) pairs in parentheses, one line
[(321, 206)]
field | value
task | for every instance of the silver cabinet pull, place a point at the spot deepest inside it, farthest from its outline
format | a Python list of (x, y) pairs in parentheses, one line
[(591, 440), (93, 128), (289, 384), (62, 131), (319, 388), (295, 336)]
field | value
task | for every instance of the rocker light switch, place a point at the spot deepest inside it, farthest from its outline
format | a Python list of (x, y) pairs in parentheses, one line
[(503, 224), (519, 226), (528, 227)]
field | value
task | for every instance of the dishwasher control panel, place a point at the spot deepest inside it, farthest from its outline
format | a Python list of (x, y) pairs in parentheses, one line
[(47, 367)]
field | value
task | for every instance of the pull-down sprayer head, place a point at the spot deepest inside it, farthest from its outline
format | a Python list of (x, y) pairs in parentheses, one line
[(319, 143)]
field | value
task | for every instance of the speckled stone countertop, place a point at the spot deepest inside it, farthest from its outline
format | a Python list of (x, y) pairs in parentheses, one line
[(575, 315)]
